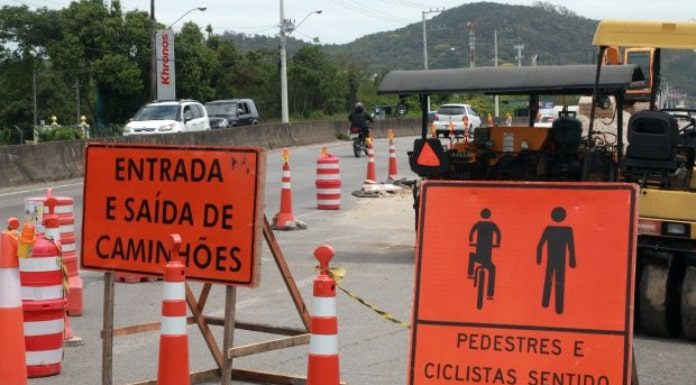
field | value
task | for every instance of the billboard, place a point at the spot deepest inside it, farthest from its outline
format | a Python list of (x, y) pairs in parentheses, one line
[(166, 68)]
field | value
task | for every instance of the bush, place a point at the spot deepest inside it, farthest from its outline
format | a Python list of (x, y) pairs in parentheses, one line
[(58, 133), (10, 136)]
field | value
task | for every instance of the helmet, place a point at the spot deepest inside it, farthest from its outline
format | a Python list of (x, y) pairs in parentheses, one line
[(359, 107)]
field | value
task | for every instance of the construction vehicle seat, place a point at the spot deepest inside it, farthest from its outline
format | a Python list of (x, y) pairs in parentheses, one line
[(566, 134), (652, 141)]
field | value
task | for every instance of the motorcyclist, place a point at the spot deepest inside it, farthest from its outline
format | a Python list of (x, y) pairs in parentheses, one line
[(359, 118)]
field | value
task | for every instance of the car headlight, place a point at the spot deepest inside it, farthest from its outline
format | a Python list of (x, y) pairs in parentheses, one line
[(166, 127), (224, 123)]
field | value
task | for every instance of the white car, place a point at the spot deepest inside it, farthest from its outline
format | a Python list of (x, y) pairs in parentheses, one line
[(168, 117), (453, 115)]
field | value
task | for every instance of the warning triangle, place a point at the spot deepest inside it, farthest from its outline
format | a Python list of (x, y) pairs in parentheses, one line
[(427, 156)]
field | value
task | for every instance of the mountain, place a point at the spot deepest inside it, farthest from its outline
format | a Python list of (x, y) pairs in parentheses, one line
[(552, 34)]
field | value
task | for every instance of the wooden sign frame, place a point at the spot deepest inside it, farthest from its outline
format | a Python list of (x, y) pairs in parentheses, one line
[(225, 356)]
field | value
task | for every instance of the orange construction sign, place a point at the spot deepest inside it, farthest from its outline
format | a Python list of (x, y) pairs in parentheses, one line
[(524, 284), (135, 196)]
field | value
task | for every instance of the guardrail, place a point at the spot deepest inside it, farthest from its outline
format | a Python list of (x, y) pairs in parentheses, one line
[(52, 161)]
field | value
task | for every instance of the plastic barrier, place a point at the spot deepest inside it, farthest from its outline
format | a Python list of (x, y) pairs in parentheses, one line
[(173, 366), (322, 363), (43, 297), (371, 172), (328, 181), (34, 209), (13, 367)]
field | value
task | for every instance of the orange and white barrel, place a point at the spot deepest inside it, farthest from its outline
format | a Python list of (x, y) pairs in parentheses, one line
[(328, 182), (35, 209), (43, 300), (322, 363)]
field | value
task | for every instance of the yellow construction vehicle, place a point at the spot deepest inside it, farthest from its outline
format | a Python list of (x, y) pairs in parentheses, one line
[(660, 158)]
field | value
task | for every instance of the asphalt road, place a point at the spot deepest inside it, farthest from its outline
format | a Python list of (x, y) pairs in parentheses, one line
[(374, 241)]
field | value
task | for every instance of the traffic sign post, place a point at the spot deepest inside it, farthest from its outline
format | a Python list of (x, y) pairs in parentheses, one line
[(137, 196), (524, 283)]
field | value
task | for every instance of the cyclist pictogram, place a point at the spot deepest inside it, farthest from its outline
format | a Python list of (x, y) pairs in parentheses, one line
[(487, 236), (559, 242)]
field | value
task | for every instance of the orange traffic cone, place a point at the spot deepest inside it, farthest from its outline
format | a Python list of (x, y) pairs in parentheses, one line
[(284, 218), (173, 368), (322, 363), (393, 173), (371, 172), (13, 364)]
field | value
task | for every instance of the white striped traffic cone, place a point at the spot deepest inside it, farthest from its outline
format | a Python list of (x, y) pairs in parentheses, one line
[(322, 365), (371, 172), (173, 367), (13, 365), (284, 218), (393, 172)]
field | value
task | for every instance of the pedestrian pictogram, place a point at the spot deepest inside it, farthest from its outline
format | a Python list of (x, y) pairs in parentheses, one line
[(560, 247), (551, 300)]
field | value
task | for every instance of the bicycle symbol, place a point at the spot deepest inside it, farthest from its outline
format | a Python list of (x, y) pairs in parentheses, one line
[(481, 261)]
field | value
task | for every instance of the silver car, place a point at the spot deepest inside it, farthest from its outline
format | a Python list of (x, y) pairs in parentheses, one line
[(454, 115)]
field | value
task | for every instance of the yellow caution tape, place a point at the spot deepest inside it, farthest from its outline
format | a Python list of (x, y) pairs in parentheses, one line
[(63, 267), (338, 273)]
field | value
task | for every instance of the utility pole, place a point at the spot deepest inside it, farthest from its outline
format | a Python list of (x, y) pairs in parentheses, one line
[(33, 81), (472, 43), (519, 49), (285, 115), (77, 99), (153, 54), (495, 49), (425, 42)]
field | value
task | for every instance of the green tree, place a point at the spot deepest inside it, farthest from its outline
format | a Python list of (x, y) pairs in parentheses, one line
[(195, 64), (315, 84)]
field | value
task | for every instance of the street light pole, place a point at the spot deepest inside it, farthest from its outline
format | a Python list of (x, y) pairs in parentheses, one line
[(153, 54), (286, 28)]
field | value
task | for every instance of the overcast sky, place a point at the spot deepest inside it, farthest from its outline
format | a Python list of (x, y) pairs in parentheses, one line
[(345, 20)]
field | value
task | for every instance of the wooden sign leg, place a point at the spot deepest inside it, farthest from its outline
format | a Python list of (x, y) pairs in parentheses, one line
[(228, 336), (285, 272), (108, 330), (209, 338)]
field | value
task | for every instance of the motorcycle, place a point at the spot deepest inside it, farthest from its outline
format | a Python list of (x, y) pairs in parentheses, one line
[(359, 144)]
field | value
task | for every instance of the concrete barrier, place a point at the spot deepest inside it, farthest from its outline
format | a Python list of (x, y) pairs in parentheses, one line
[(52, 161)]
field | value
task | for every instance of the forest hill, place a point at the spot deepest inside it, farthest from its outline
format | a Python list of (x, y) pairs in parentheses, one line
[(157, 169)]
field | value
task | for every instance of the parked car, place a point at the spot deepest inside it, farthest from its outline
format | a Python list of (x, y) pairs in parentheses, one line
[(232, 113), (455, 114), (168, 117)]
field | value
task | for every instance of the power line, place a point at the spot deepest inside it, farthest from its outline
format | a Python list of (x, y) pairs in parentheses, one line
[(365, 13), (375, 10)]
